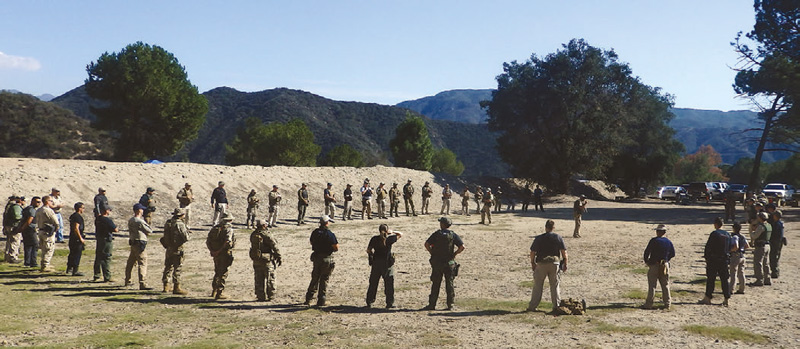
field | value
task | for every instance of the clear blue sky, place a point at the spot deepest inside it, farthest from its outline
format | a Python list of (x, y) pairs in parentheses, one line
[(375, 51)]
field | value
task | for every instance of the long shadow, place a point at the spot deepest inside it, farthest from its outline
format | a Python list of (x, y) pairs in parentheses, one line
[(47, 282), (165, 300), (349, 309), (237, 305), (672, 215), (471, 313), (617, 305)]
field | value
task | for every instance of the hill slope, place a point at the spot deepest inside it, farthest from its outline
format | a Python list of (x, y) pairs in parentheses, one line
[(30, 127), (367, 127), (721, 130)]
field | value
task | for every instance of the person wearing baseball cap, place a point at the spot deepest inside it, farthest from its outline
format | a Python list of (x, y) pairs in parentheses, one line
[(323, 244), (443, 245), (138, 230), (657, 255)]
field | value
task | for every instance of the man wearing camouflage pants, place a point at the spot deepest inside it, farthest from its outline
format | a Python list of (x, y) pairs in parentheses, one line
[(266, 257), (176, 233), (220, 243)]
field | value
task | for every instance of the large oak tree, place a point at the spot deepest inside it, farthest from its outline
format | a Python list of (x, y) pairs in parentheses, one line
[(152, 108)]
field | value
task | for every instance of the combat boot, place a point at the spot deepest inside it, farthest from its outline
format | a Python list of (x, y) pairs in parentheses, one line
[(178, 290), (705, 300), (220, 295), (166, 287), (214, 293), (143, 286)]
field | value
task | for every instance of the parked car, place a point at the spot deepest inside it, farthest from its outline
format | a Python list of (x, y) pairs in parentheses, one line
[(669, 191), (701, 190), (738, 190), (779, 191)]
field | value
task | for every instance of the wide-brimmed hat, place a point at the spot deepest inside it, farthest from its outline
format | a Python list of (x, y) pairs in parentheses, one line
[(325, 219), (661, 227), (178, 212)]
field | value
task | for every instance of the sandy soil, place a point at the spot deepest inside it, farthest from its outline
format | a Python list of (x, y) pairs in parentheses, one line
[(492, 290)]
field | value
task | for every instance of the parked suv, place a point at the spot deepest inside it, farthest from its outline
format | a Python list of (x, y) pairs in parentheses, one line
[(779, 191), (738, 191), (701, 190)]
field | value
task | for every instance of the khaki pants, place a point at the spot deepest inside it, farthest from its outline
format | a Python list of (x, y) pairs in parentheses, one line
[(410, 206), (761, 264), (549, 271), (366, 209), (653, 277), (219, 210), (187, 209), (425, 202), (465, 208), (330, 208), (445, 207), (486, 212), (138, 258), (381, 208), (737, 271), (577, 232), (173, 260), (273, 215), (323, 267), (12, 246), (48, 246), (346, 213)]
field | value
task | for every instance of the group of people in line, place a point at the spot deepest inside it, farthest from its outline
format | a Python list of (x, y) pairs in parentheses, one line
[(38, 225)]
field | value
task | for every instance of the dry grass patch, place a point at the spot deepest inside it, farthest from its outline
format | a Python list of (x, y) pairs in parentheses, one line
[(727, 333)]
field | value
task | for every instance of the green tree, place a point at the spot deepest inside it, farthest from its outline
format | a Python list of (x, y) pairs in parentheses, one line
[(153, 108), (700, 166), (785, 171), (411, 147), (444, 161), (343, 155), (740, 171), (287, 144), (769, 75), (570, 113), (650, 155)]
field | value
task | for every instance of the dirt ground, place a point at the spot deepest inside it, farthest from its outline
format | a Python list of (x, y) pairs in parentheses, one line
[(492, 291)]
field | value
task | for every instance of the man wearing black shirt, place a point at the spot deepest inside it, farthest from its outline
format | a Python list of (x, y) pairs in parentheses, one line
[(105, 229), (381, 259), (441, 245), (717, 255), (219, 202), (548, 256), (77, 240), (324, 244)]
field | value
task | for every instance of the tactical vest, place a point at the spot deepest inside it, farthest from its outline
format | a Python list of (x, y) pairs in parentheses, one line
[(217, 237), (764, 238), (261, 246), (443, 251)]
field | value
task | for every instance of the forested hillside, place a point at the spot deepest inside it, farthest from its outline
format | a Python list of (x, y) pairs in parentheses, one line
[(30, 127), (367, 127)]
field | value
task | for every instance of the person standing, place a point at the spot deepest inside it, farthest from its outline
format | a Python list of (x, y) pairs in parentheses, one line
[(104, 233), (394, 200), (498, 201), (427, 192), (148, 200), (138, 231), (366, 201), (185, 198), (302, 203), (730, 206), (47, 223), (761, 237), (77, 240), (27, 228), (323, 245), (738, 250), (219, 202), (717, 256), (548, 257), (12, 218), (348, 203), (274, 198), (100, 202), (58, 204), (447, 194), (176, 233), (776, 243), (408, 197), (252, 208), (380, 200), (526, 197), (578, 209), (266, 257), (381, 260), (486, 211), (220, 243), (478, 199), (465, 201), (657, 255), (537, 199), (330, 201), (443, 245)]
